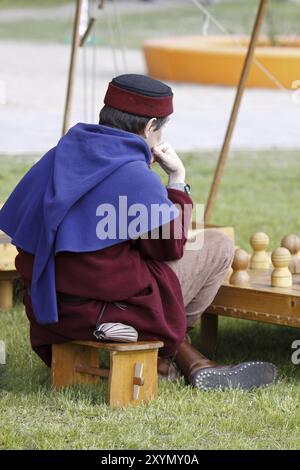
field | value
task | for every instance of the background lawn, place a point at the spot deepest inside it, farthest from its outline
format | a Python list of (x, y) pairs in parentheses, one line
[(260, 191), (283, 17), (32, 3)]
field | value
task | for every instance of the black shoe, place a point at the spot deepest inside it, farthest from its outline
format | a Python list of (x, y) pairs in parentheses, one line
[(245, 376)]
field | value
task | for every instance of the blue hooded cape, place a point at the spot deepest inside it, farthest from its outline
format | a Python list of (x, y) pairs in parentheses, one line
[(54, 206)]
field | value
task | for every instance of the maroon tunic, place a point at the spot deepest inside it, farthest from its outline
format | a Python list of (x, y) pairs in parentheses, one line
[(131, 272)]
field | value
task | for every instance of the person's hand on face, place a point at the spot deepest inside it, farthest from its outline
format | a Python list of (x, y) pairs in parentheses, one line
[(168, 159), (163, 153)]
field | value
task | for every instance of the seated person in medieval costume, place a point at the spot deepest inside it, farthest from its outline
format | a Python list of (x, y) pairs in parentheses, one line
[(85, 261)]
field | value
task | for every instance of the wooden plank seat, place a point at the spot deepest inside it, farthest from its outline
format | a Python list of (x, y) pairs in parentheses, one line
[(132, 375)]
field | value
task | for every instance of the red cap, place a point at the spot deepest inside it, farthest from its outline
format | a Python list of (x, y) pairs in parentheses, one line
[(138, 103)]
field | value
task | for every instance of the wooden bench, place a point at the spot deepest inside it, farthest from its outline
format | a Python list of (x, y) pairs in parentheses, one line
[(132, 376), (8, 271)]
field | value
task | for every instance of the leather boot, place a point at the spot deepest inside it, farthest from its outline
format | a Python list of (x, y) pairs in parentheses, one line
[(167, 369), (205, 374)]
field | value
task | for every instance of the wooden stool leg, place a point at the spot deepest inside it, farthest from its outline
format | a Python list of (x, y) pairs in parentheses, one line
[(209, 334), (65, 358), (133, 377), (6, 294)]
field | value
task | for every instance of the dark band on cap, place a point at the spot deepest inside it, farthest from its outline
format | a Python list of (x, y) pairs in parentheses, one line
[(140, 95)]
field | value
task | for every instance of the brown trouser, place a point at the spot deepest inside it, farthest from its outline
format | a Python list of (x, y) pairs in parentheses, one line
[(201, 272)]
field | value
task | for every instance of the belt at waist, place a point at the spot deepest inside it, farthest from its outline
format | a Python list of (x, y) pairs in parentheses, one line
[(62, 297)]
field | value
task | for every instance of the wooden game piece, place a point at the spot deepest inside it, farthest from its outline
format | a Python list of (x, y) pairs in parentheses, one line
[(281, 275), (228, 275), (292, 243), (260, 258), (240, 276)]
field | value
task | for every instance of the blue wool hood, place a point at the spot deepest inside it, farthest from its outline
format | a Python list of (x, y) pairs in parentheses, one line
[(54, 206)]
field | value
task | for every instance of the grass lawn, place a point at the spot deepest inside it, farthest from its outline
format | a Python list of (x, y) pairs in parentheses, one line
[(237, 17), (260, 191), (31, 3)]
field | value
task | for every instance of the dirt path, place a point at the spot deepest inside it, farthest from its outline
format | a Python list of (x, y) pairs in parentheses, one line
[(66, 11), (35, 80)]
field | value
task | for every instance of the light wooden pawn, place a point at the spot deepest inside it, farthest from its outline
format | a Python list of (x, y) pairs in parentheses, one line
[(240, 276), (292, 243), (260, 259), (281, 275)]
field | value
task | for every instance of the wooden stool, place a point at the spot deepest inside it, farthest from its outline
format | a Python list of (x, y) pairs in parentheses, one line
[(132, 376)]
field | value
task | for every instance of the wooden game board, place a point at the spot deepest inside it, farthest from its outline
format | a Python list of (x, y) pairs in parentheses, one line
[(258, 301)]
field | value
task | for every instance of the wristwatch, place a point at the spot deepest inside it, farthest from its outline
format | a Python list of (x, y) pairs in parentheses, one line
[(181, 186)]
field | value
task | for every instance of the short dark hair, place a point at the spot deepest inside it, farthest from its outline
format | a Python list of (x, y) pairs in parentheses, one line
[(127, 122)]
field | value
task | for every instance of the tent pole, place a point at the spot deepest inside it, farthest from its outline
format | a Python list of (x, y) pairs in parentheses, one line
[(235, 110), (72, 67)]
